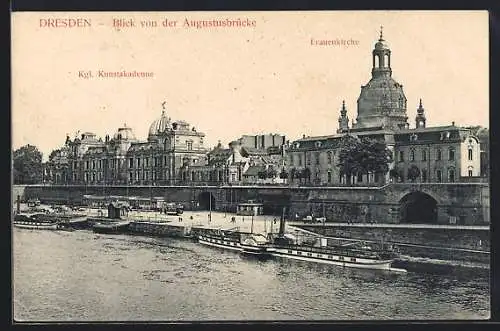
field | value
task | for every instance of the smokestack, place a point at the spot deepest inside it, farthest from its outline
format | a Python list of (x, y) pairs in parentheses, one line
[(282, 223)]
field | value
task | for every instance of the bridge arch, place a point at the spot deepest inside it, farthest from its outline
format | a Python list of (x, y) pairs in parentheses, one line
[(418, 207), (206, 200)]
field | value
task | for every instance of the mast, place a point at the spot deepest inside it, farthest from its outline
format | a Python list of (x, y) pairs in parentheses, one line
[(210, 207), (251, 226), (324, 216), (282, 223)]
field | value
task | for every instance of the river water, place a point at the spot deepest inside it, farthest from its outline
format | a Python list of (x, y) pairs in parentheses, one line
[(83, 276)]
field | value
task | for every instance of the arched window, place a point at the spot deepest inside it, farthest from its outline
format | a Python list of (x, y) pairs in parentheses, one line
[(470, 171), (424, 155), (470, 153), (330, 157), (386, 60), (439, 154), (377, 61), (451, 153), (451, 175), (439, 176)]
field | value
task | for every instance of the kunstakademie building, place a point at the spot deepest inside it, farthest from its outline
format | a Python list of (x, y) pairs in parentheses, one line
[(174, 151)]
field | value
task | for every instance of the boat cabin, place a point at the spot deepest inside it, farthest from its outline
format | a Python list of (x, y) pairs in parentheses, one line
[(250, 208), (33, 202), (117, 210)]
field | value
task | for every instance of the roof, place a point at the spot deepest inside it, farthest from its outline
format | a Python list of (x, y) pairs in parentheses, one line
[(433, 135), (119, 204), (218, 155), (253, 151), (254, 170)]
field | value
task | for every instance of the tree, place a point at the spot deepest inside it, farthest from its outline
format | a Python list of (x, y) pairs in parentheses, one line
[(413, 173), (54, 154), (271, 173), (262, 174), (394, 173), (27, 165), (283, 174), (363, 156)]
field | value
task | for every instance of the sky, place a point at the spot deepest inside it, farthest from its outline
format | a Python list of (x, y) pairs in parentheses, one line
[(231, 81)]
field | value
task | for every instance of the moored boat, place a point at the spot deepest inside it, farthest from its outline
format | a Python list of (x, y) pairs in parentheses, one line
[(343, 253), (36, 221), (111, 227), (221, 239), (346, 256), (257, 245)]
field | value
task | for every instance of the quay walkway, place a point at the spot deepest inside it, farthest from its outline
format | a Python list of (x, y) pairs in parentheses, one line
[(396, 226)]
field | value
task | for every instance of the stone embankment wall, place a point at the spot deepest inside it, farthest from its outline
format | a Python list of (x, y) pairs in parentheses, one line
[(438, 243), (469, 203)]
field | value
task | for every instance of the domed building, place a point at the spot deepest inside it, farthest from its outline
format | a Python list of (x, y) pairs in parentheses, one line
[(420, 154), (170, 148), (159, 126), (382, 102)]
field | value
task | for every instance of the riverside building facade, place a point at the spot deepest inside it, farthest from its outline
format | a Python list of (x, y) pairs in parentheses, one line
[(440, 154), (171, 146)]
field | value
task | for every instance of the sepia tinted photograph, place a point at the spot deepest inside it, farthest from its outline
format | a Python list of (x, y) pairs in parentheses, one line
[(250, 166)]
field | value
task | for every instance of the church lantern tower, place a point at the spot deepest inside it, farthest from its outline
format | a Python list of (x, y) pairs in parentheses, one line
[(343, 120), (420, 118)]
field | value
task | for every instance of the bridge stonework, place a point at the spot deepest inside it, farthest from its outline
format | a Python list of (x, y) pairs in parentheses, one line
[(466, 203)]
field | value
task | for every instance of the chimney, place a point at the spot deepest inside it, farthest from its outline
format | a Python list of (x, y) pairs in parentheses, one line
[(282, 223)]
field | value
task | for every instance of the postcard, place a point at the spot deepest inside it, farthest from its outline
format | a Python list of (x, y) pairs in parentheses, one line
[(250, 166)]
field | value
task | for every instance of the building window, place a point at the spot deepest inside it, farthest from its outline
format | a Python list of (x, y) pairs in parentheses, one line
[(424, 155), (451, 175), (93, 164), (439, 176), (439, 154), (412, 155), (138, 162), (329, 176), (189, 145), (308, 159), (470, 172), (401, 156), (164, 160), (317, 158), (470, 153), (147, 162), (131, 163), (330, 157), (451, 154), (130, 176), (300, 160), (360, 177), (424, 175)]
